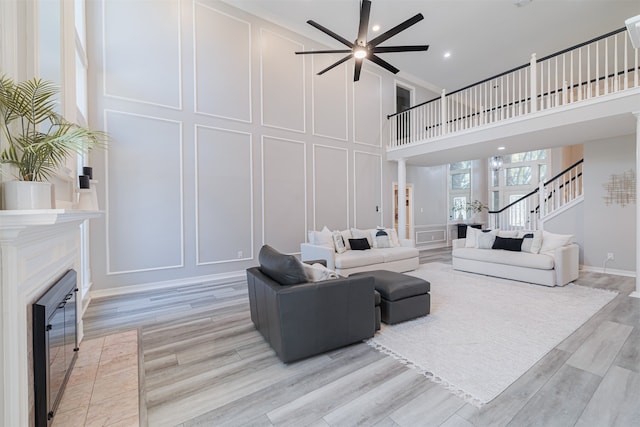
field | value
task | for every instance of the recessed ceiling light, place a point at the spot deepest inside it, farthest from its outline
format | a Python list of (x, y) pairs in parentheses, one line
[(447, 54), (500, 148), (375, 28)]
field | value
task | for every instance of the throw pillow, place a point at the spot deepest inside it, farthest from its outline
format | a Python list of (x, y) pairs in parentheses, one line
[(362, 234), (322, 238), (472, 237), (508, 233), (485, 240), (338, 242), (284, 269), (507, 243), (318, 272), (382, 239), (393, 235), (359, 244), (346, 235), (552, 241), (532, 241)]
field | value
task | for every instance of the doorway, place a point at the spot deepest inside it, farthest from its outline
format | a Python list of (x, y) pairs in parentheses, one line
[(409, 207)]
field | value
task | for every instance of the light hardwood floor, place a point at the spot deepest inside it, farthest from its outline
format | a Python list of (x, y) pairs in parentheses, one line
[(204, 364)]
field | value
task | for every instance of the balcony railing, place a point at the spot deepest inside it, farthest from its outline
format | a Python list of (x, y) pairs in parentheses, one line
[(598, 67)]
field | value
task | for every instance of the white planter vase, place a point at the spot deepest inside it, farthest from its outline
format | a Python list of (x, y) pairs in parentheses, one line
[(27, 195)]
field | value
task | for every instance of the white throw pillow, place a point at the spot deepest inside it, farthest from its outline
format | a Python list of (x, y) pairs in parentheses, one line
[(322, 238), (471, 239), (393, 234), (338, 242), (381, 238), (346, 235), (485, 240), (511, 234), (531, 244), (552, 241), (318, 272)]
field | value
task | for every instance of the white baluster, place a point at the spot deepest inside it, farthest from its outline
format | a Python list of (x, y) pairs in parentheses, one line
[(616, 85), (579, 74), (533, 76), (588, 72), (443, 113), (606, 66), (598, 69)]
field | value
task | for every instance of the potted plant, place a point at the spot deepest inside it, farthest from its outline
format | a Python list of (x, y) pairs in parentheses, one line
[(37, 140), (475, 208)]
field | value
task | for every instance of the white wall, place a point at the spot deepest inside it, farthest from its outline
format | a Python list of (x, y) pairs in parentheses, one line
[(223, 139)]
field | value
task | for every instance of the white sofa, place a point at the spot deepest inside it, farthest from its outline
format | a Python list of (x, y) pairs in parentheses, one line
[(553, 262), (401, 257)]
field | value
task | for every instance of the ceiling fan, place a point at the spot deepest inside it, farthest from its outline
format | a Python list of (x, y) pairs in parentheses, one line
[(362, 49)]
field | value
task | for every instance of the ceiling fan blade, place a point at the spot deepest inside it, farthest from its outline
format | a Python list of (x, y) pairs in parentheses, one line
[(384, 64), (330, 33), (356, 70), (391, 49), (395, 30), (307, 52), (335, 64), (365, 11)]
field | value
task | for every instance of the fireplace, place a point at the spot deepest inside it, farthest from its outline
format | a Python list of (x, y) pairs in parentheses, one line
[(55, 345)]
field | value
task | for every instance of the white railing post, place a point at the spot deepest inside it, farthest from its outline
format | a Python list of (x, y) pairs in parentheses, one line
[(443, 112), (542, 201), (533, 83)]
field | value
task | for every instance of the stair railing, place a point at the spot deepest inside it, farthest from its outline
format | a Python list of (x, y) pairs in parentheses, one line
[(530, 211)]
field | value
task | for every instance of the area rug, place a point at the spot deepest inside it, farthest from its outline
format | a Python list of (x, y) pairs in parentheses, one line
[(483, 333)]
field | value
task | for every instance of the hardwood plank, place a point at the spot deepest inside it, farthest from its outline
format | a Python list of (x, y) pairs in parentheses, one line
[(560, 402), (600, 349), (615, 402), (373, 406), (500, 411), (629, 355), (433, 407), (456, 421)]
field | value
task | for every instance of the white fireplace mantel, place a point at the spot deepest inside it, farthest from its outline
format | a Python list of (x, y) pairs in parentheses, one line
[(36, 248)]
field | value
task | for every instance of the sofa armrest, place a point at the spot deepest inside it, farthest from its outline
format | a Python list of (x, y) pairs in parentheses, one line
[(566, 263), (407, 243), (316, 252), (458, 243)]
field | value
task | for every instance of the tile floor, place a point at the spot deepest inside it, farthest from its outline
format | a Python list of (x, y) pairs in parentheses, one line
[(103, 386)]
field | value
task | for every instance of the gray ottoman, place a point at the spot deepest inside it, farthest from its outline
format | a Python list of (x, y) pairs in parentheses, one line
[(403, 297)]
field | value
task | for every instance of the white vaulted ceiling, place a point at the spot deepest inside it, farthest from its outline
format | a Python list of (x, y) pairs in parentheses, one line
[(485, 37)]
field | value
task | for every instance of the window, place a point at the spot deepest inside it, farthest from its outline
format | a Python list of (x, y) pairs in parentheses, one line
[(519, 176), (459, 189)]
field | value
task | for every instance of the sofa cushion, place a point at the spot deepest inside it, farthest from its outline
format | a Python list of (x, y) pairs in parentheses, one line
[(353, 259), (284, 269), (552, 241), (359, 244), (397, 254), (507, 243), (485, 240), (362, 234), (323, 237), (520, 259)]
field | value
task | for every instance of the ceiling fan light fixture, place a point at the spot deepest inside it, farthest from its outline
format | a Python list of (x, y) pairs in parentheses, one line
[(360, 53)]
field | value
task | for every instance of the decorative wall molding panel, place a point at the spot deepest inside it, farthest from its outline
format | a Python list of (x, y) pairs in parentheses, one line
[(142, 62), (284, 193), (367, 193), (367, 109), (329, 96), (282, 77), (230, 63), (330, 187), (144, 179), (224, 196)]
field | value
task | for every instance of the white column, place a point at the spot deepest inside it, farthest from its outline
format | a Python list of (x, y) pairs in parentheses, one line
[(637, 292), (401, 202)]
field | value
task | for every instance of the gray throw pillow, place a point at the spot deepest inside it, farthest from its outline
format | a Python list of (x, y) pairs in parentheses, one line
[(485, 240), (284, 269)]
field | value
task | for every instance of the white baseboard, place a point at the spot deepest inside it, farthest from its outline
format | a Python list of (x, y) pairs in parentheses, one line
[(592, 269), (125, 290)]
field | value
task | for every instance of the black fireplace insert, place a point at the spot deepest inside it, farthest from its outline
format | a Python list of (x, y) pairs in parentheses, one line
[(55, 345)]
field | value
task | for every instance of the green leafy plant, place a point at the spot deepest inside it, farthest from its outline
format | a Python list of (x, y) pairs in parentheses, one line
[(38, 139), (476, 206)]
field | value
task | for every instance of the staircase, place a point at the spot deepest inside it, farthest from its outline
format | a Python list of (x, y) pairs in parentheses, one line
[(531, 210)]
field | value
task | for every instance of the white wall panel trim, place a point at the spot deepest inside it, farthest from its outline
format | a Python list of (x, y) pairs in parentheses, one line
[(197, 219), (346, 172), (105, 91), (306, 198), (346, 106), (109, 272), (379, 113), (195, 71), (355, 177), (304, 89)]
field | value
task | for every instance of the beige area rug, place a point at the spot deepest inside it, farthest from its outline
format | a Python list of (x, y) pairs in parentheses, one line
[(483, 333)]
